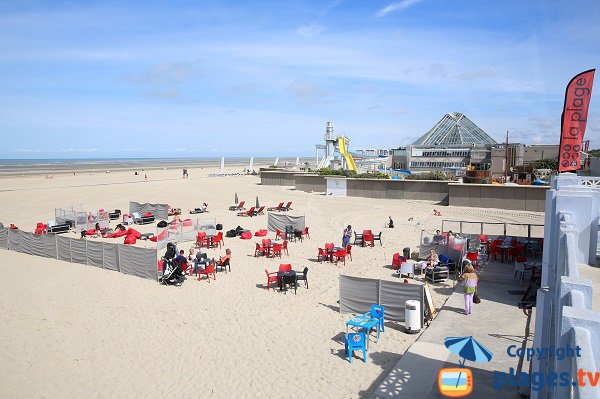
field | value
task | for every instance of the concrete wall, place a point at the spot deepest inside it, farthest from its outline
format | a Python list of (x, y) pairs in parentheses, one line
[(520, 198), (277, 178), (429, 190), (310, 183)]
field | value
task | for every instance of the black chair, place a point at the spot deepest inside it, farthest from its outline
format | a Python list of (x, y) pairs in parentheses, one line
[(289, 280), (225, 265), (358, 239), (114, 215), (377, 238), (201, 259), (303, 276)]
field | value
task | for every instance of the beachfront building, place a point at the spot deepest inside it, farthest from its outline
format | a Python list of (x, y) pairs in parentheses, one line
[(450, 145), (373, 152)]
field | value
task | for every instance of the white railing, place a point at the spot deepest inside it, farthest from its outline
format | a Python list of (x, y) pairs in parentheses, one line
[(589, 181)]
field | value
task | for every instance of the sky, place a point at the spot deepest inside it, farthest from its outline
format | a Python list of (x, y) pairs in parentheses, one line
[(240, 78)]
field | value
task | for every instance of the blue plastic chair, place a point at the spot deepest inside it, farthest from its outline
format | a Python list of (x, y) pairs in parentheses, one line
[(378, 312), (354, 342)]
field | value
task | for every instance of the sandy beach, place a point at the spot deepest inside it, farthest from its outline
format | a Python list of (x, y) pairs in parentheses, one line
[(70, 330)]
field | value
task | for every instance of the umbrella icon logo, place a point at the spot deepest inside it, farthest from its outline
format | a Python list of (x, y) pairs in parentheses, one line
[(458, 382)]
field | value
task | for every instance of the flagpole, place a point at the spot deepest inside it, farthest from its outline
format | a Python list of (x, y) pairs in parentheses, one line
[(506, 159)]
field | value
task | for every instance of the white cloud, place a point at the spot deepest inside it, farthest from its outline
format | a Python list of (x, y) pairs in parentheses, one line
[(399, 6), (311, 30)]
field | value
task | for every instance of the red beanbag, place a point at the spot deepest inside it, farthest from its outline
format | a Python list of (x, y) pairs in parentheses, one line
[(153, 238), (246, 235), (187, 222), (134, 232), (90, 232), (261, 233), (130, 239), (148, 214)]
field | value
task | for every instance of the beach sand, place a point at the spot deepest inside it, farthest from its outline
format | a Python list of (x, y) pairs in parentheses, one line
[(70, 330)]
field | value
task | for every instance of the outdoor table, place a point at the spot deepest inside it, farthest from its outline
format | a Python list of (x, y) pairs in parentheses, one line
[(503, 248), (282, 274), (364, 322), (330, 252)]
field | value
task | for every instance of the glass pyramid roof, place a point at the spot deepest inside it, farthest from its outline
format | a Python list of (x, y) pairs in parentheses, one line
[(455, 129)]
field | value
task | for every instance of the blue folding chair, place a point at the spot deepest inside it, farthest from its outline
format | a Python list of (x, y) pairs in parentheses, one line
[(354, 342), (377, 312)]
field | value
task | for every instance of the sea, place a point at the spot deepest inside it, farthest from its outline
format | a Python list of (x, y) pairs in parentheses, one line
[(10, 167)]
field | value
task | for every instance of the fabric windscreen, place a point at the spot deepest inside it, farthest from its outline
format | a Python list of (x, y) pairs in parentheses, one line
[(393, 296), (160, 211), (358, 294), (94, 253), (4, 238), (111, 256), (281, 221), (140, 262)]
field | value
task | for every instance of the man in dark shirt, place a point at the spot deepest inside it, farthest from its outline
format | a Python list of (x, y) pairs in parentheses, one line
[(179, 259)]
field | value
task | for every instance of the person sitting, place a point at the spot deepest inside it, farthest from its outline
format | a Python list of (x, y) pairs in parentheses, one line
[(391, 223), (179, 259), (433, 260), (438, 237), (223, 259), (204, 207), (437, 213), (200, 262)]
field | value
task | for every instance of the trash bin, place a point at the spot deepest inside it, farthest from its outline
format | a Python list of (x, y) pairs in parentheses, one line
[(412, 316), (406, 253)]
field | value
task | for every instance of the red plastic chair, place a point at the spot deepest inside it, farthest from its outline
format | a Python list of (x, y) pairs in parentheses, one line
[(266, 241), (277, 248), (288, 206), (305, 232), (279, 234), (259, 250), (185, 267), (474, 258), (322, 255), (349, 251), (493, 250), (285, 267), (368, 240), (271, 278), (210, 269), (340, 254), (201, 239), (396, 261), (217, 240), (285, 248), (276, 208)]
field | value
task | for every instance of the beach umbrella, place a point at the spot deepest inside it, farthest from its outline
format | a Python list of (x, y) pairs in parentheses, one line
[(222, 163), (297, 160), (251, 167), (468, 348), (235, 201), (257, 204), (276, 161)]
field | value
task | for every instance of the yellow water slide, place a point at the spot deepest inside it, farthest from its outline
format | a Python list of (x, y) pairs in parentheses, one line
[(344, 151)]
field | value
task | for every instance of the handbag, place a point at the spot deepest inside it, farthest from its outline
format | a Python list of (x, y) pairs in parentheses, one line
[(476, 298)]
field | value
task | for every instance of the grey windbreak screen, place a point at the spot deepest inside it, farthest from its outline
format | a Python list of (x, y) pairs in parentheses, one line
[(111, 256), (14, 240), (4, 238), (63, 248), (94, 253), (160, 211), (280, 221), (393, 297), (78, 251), (358, 294), (140, 262)]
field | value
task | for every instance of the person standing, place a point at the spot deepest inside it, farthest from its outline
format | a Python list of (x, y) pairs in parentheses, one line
[(347, 236), (469, 280)]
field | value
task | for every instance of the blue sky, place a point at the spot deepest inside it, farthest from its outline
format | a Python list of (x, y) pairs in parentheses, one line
[(238, 78)]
